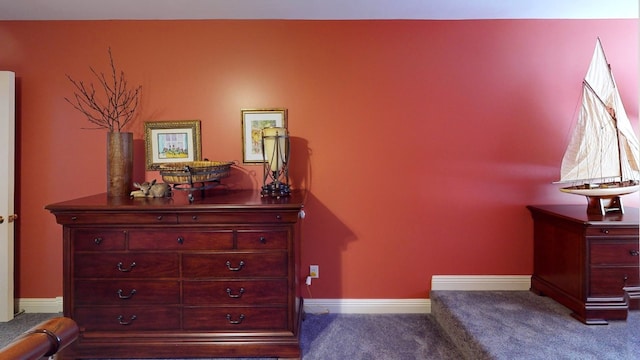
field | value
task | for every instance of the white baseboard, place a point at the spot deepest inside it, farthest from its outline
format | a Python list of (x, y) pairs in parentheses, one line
[(40, 305), (420, 306), (481, 282), (368, 306), (359, 306)]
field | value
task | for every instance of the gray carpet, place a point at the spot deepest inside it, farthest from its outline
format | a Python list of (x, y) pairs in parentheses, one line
[(522, 325), (473, 325), (338, 336)]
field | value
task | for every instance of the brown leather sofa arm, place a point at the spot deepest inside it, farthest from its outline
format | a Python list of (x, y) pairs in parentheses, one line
[(44, 339)]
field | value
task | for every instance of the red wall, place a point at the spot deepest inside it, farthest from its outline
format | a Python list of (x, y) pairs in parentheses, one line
[(421, 142)]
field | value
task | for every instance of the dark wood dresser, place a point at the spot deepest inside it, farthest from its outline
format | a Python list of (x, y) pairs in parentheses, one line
[(584, 261), (167, 278)]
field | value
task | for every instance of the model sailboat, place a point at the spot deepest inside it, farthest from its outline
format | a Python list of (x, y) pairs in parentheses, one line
[(602, 158)]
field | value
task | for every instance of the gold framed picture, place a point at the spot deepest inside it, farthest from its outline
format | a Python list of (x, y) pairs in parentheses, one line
[(172, 142), (253, 121)]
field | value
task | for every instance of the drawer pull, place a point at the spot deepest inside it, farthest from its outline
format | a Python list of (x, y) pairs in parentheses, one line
[(122, 322), (180, 240), (263, 240), (121, 269), (97, 240), (74, 218), (278, 217), (194, 218), (125, 297), (634, 252), (159, 218), (235, 296), (240, 266), (235, 322), (604, 231)]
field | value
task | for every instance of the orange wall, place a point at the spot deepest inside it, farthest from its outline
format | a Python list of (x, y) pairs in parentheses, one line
[(421, 142)]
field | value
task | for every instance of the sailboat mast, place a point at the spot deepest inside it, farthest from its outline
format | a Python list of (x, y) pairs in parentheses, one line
[(612, 111)]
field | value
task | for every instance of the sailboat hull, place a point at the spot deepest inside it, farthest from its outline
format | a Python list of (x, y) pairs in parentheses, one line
[(603, 191)]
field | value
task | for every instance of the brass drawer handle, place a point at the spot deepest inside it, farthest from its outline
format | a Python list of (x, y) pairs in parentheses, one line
[(634, 252), (125, 297), (235, 296), (122, 322), (235, 322), (121, 269), (241, 265)]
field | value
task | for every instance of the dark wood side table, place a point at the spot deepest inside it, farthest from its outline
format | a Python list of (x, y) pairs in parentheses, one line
[(586, 261), (167, 278)]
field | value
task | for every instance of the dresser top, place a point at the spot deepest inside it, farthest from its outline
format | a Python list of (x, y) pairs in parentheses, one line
[(213, 200), (578, 213)]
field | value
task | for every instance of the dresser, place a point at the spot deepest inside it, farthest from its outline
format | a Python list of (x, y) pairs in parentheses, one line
[(170, 278), (586, 262)]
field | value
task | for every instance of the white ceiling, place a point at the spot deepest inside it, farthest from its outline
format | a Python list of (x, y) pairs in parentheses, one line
[(316, 9)]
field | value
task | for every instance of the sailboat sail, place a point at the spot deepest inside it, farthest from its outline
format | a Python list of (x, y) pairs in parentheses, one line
[(603, 147)]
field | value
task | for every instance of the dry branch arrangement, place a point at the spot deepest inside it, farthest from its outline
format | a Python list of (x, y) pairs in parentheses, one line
[(115, 109)]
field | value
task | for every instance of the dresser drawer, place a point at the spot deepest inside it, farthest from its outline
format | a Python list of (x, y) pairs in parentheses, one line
[(267, 239), (125, 265), (127, 318), (612, 231), (235, 292), (126, 292), (98, 240), (234, 264), (239, 217), (181, 240), (615, 253), (235, 318), (104, 218), (609, 281)]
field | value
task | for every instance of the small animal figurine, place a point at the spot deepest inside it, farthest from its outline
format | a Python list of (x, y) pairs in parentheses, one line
[(151, 189)]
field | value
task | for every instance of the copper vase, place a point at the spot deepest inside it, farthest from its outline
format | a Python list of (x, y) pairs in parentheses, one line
[(119, 163)]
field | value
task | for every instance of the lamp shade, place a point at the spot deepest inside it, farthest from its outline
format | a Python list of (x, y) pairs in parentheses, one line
[(275, 151)]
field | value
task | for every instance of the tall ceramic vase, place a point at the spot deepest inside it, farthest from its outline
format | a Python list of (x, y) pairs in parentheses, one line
[(119, 163)]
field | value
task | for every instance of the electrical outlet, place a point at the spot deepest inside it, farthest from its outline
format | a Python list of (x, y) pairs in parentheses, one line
[(314, 271)]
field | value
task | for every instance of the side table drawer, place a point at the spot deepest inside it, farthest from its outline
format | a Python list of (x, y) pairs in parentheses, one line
[(611, 231), (126, 292), (127, 318), (609, 281), (617, 253), (233, 264), (234, 292), (125, 265), (235, 318)]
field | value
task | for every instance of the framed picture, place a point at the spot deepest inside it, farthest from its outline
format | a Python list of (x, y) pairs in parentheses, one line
[(253, 121), (171, 142)]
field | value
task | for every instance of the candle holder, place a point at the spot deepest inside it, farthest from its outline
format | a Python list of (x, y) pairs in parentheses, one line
[(275, 153)]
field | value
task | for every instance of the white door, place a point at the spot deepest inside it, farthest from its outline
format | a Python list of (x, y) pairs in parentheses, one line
[(7, 176)]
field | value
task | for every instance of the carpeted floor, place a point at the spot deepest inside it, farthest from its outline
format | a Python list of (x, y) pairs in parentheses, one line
[(337, 336), (522, 325), (463, 325)]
